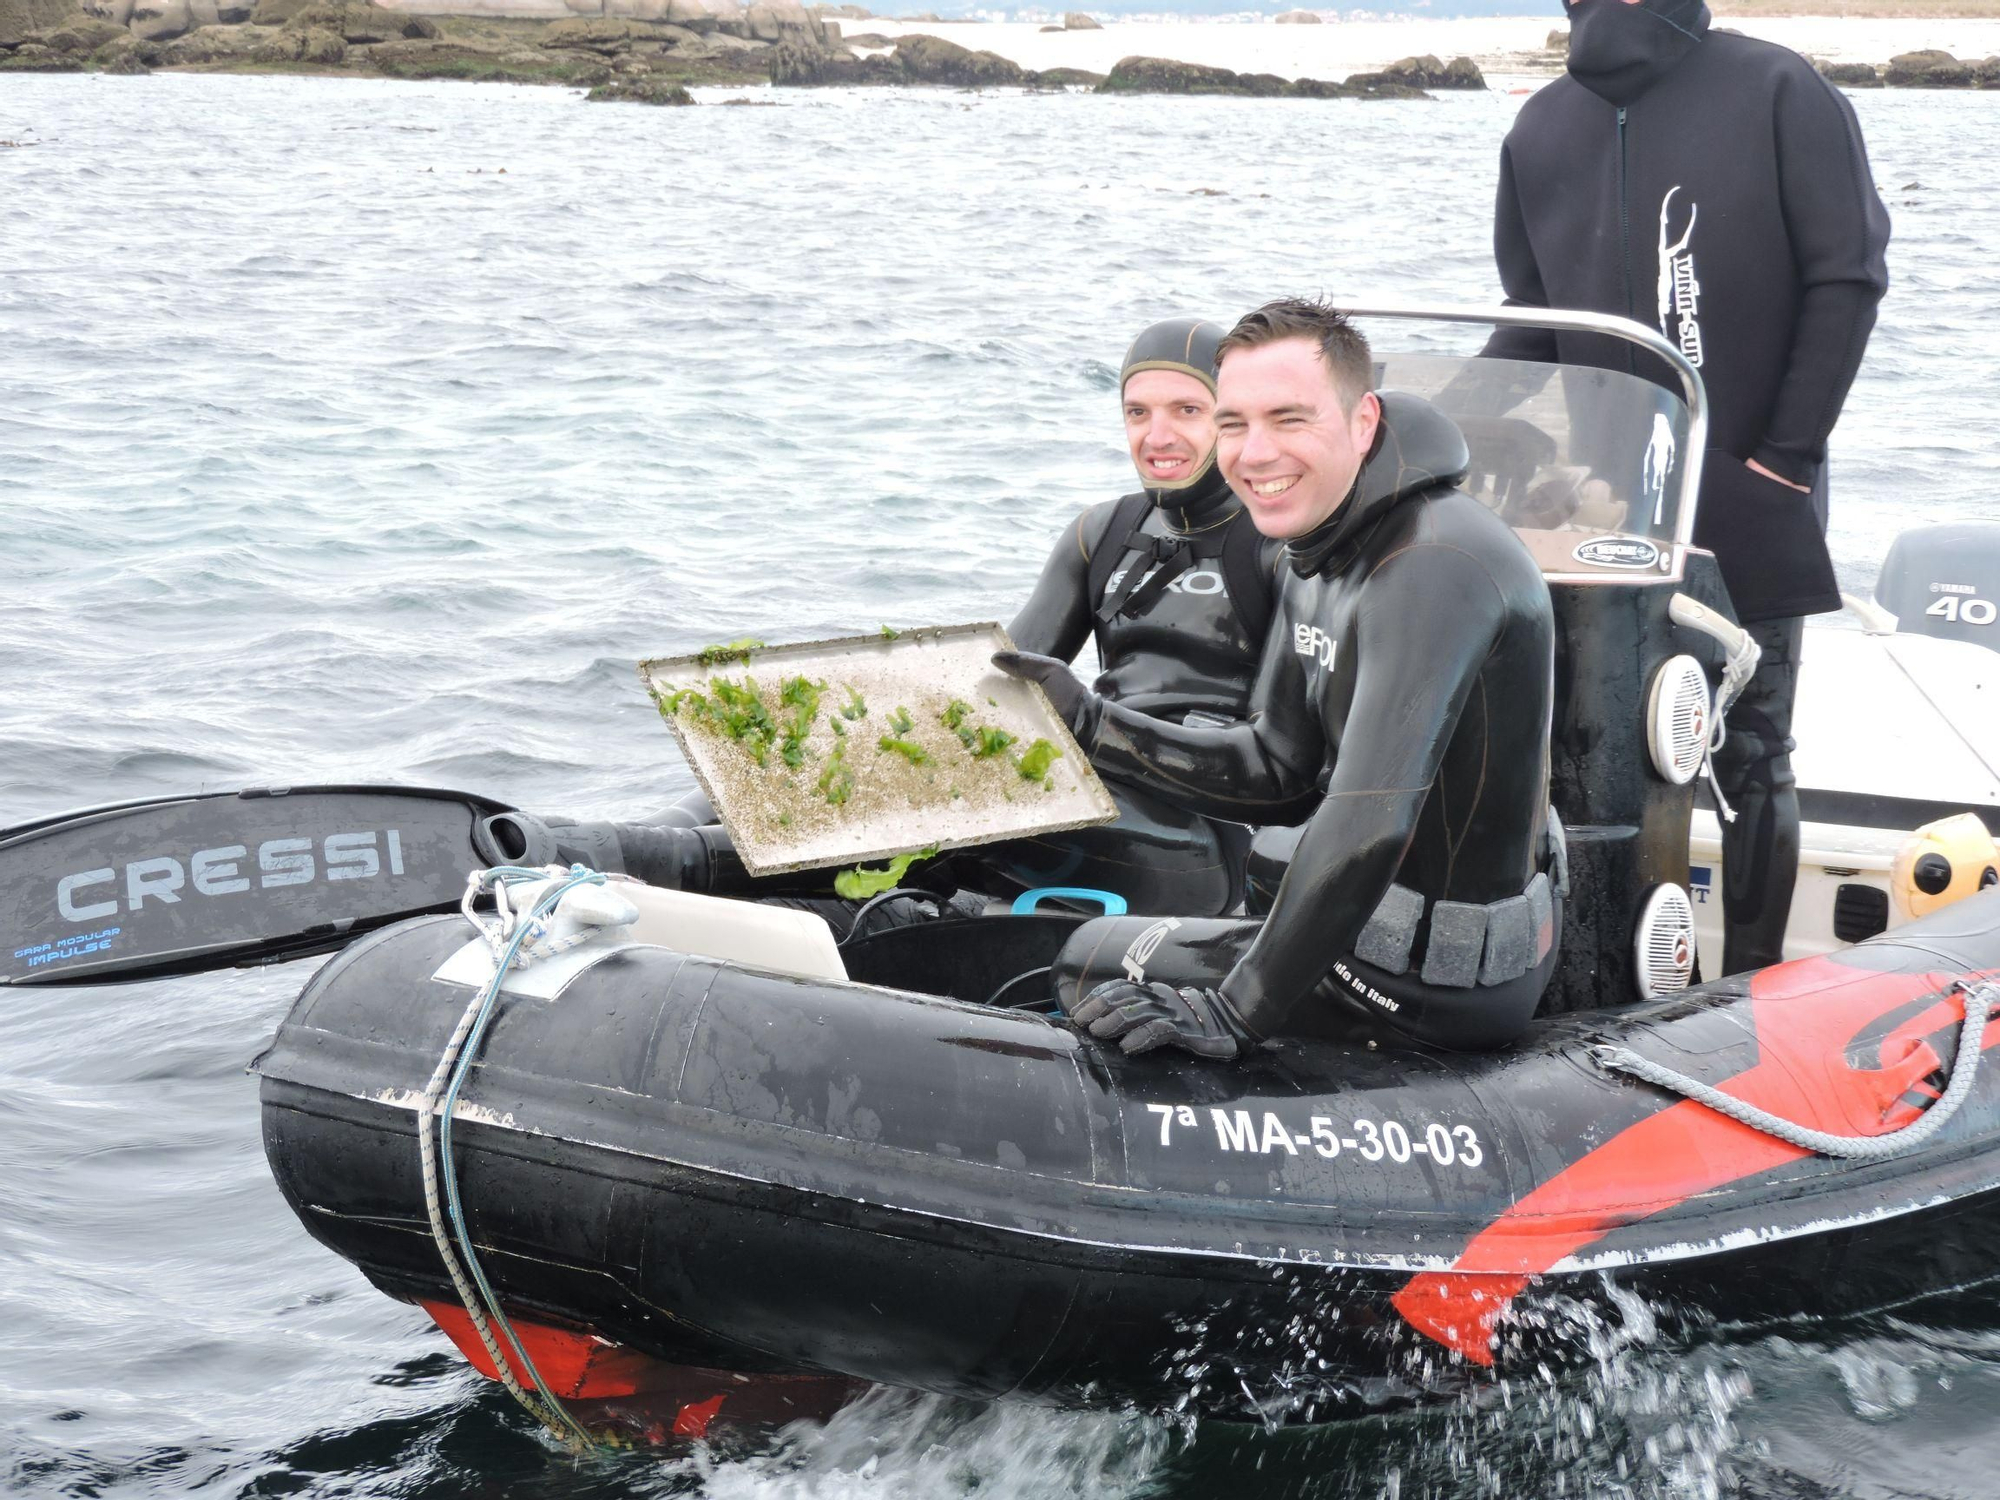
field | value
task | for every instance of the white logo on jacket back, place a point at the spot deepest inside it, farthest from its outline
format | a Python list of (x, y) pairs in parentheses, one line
[(1680, 293)]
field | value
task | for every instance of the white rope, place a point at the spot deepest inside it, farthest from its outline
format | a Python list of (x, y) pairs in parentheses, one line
[(1740, 657), (1979, 1001), (535, 942), (1736, 674), (516, 939)]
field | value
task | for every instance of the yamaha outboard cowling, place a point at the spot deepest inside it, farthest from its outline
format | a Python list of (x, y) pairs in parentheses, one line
[(1944, 581)]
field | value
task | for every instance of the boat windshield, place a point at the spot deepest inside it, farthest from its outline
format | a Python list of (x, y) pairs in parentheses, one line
[(1586, 464)]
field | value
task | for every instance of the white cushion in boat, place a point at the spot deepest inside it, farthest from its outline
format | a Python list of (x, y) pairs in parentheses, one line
[(759, 937), (774, 938)]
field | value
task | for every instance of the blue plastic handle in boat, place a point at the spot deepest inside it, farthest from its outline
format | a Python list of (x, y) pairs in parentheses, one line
[(1027, 901)]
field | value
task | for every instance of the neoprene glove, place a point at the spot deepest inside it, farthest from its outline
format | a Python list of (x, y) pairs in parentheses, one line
[(1079, 707), (1140, 1017)]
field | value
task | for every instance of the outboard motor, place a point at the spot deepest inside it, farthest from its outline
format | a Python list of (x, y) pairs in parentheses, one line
[(1944, 581)]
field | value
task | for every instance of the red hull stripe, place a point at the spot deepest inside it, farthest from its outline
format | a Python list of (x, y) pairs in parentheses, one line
[(577, 1366), (693, 1419), (1805, 1015)]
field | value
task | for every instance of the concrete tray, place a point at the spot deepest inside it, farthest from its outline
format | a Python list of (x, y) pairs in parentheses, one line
[(786, 816)]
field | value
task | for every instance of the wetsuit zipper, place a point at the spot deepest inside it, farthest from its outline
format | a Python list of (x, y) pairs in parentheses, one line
[(1625, 238)]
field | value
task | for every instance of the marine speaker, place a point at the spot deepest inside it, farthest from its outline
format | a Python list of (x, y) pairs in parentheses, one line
[(1678, 719), (1663, 942)]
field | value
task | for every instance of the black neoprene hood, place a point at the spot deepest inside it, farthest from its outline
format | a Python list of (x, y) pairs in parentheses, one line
[(1618, 49), (1186, 346)]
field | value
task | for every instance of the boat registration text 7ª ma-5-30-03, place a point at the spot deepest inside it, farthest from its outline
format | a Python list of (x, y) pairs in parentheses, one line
[(1371, 1140)]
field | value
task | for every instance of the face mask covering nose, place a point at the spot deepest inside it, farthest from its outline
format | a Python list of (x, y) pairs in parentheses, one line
[(1618, 51)]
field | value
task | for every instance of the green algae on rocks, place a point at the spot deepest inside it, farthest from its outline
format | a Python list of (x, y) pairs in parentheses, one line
[(738, 711), (715, 656), (980, 742)]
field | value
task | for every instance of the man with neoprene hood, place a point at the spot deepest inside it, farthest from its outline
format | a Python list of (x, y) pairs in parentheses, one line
[(1413, 650), (1176, 587), (1716, 187)]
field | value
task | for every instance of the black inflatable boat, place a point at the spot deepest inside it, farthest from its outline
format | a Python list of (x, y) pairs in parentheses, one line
[(715, 1155), (725, 1167)]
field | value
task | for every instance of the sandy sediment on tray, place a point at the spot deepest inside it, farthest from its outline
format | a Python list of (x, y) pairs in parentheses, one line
[(850, 788)]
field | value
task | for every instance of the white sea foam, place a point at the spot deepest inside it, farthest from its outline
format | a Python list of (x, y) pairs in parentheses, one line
[(892, 1445)]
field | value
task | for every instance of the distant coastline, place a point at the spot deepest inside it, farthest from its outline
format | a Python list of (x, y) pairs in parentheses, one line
[(1388, 12), (1144, 12), (1872, 10), (655, 51), (1502, 46), (1150, 12)]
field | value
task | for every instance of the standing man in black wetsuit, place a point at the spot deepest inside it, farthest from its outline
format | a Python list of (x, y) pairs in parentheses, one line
[(1177, 587), (1414, 647), (1719, 186)]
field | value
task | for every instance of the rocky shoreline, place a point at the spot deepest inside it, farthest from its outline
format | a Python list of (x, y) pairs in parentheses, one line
[(1926, 69), (1916, 70), (650, 56), (651, 60), (651, 51), (931, 60)]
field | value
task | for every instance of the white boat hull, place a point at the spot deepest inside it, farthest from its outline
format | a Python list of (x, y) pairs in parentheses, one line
[(1893, 731)]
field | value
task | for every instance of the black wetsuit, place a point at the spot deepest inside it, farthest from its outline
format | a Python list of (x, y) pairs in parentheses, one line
[(1413, 645), (1746, 168), (1718, 187), (1184, 640), (1179, 615), (1194, 646)]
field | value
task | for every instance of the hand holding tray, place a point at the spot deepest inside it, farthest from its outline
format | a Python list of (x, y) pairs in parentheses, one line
[(836, 752)]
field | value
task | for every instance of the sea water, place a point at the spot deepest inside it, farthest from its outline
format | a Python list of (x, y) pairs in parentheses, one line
[(367, 431)]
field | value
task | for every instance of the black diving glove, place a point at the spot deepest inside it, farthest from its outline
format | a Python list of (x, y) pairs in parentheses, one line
[(1078, 706), (1140, 1017)]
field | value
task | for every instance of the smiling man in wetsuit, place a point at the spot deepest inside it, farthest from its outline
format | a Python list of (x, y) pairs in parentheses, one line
[(1177, 587), (1413, 647)]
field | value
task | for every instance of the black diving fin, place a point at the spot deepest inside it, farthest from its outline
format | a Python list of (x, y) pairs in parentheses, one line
[(182, 885)]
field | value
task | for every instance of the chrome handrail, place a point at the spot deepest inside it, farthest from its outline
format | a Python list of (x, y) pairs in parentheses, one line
[(1563, 321)]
